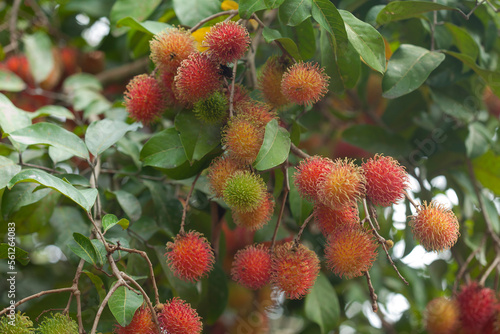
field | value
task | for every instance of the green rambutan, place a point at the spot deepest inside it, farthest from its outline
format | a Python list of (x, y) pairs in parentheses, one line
[(213, 109), (56, 324), (244, 191), (258, 217), (22, 324)]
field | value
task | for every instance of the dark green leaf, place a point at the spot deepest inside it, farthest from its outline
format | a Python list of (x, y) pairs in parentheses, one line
[(38, 48), (20, 196), (190, 12), (84, 249), (478, 139), (271, 4), (289, 45), (98, 283), (453, 105), (214, 295), (101, 251), (487, 170), (437, 270), (300, 207), (322, 306), (7, 170), (10, 82), (54, 111), (139, 10), (123, 304), (129, 204), (294, 12), (304, 36), (102, 134), (164, 150), (110, 220), (401, 10), (19, 254), (275, 148), (328, 17), (463, 40), (148, 27), (248, 7)]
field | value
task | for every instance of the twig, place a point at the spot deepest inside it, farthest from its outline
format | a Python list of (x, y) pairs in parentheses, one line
[(231, 96), (13, 24), (115, 287), (285, 195), (211, 17), (298, 152), (463, 266), (184, 211), (489, 270), (36, 295), (373, 295), (302, 228), (216, 227), (433, 28), (121, 73), (47, 169), (415, 204)]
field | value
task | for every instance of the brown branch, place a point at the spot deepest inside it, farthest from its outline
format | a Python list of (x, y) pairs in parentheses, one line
[(13, 24), (211, 17), (415, 204), (47, 169), (121, 73), (231, 96), (36, 295), (302, 228), (373, 295), (111, 291), (463, 266), (186, 205), (298, 152), (286, 190), (488, 271)]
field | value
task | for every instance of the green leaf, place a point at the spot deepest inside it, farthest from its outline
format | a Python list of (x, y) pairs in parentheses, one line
[(401, 10), (164, 150), (214, 295), (102, 134), (139, 10), (110, 220), (80, 81), (129, 204), (50, 181), (322, 306), (275, 147), (487, 170), (478, 140), (248, 7), (294, 12), (10, 82), (304, 36), (20, 196), (271, 4), (148, 27), (19, 254), (38, 49), (58, 155), (271, 35), (190, 12), (51, 134), (300, 207), (407, 70), (453, 105), (329, 18), (84, 249), (11, 118), (101, 251), (7, 170), (463, 40), (54, 111), (98, 283), (366, 40), (123, 304)]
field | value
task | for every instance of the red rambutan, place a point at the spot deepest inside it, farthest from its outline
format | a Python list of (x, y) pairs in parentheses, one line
[(178, 317), (442, 316), (477, 304), (242, 139), (258, 217), (220, 170), (304, 83), (309, 173), (270, 81), (166, 80), (329, 219), (142, 323), (227, 42), (252, 266), (144, 99), (240, 95), (258, 113), (170, 47)]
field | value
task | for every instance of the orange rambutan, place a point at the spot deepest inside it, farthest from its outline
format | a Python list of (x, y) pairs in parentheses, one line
[(350, 251), (220, 170), (435, 226), (270, 81), (144, 99), (304, 83), (190, 256), (244, 191), (227, 42), (442, 316), (342, 185), (258, 217), (294, 269), (476, 304), (329, 219), (386, 180), (242, 139), (252, 266), (309, 173), (178, 317), (257, 112), (170, 47), (197, 78), (142, 323)]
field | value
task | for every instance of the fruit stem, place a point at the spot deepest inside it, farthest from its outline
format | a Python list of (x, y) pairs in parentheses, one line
[(373, 295), (232, 12), (186, 205), (302, 228), (415, 204), (286, 190), (231, 96)]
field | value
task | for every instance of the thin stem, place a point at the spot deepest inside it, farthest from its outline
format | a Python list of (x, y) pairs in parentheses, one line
[(463, 267), (13, 23), (184, 211), (231, 96), (47, 169), (373, 295), (36, 295), (211, 17), (115, 287), (302, 228), (298, 152), (415, 204), (216, 227), (286, 190)]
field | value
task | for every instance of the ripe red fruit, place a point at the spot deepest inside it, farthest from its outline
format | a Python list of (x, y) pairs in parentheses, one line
[(258, 217), (252, 266), (190, 256), (477, 304), (240, 95), (242, 139), (308, 175), (258, 113), (442, 316), (270, 81), (386, 180), (350, 251), (144, 99), (142, 323), (294, 269), (227, 42), (178, 317), (166, 80), (304, 83), (329, 219), (435, 226), (219, 172), (197, 78), (170, 47)]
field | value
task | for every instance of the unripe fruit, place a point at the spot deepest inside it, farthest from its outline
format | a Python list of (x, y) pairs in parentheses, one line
[(252, 266), (386, 180), (197, 78), (219, 172), (244, 191), (270, 81), (342, 186), (170, 47), (258, 217), (58, 323), (213, 109), (304, 83), (294, 269), (329, 219), (178, 317), (22, 324), (144, 99), (190, 256), (242, 139), (308, 175), (350, 251), (435, 227), (142, 323), (477, 304), (227, 42), (258, 113), (442, 316)]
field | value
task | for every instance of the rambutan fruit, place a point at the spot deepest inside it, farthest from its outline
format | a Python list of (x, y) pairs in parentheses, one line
[(22, 324), (58, 323), (304, 83), (220, 170), (190, 256), (294, 269), (442, 316), (244, 191), (329, 219), (166, 80), (435, 226), (342, 185), (270, 81), (258, 217), (213, 109), (142, 323), (170, 47), (258, 113), (242, 139), (350, 251), (240, 95), (178, 317), (477, 304), (386, 180), (252, 266), (197, 78), (309, 173), (227, 42), (144, 99)]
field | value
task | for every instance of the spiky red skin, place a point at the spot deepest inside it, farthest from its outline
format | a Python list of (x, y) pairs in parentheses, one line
[(240, 95), (294, 270), (386, 180), (144, 99), (342, 185), (166, 79), (252, 266), (178, 317), (190, 256), (242, 139), (329, 219), (258, 113), (304, 83), (227, 42), (435, 227), (220, 170), (170, 48), (270, 81), (350, 251), (442, 316), (197, 78), (309, 173), (257, 218), (477, 304), (142, 323)]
